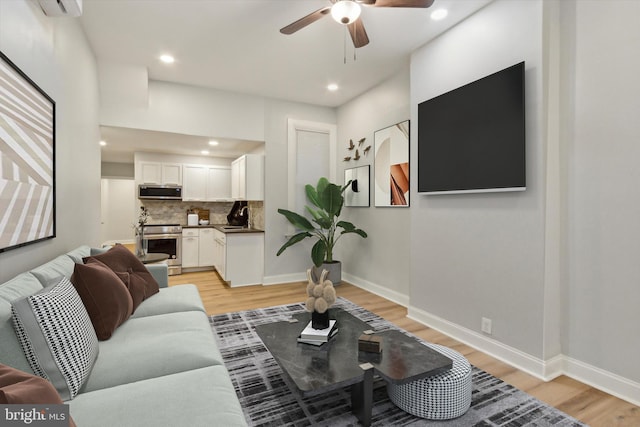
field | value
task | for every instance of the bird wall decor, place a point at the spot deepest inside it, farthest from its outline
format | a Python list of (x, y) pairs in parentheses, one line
[(351, 146)]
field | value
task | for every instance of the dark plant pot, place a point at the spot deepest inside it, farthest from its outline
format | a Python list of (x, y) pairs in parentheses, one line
[(320, 320), (335, 272)]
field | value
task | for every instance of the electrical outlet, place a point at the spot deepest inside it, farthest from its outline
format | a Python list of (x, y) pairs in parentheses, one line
[(486, 325)]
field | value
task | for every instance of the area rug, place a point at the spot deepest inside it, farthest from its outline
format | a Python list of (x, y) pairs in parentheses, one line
[(267, 400)]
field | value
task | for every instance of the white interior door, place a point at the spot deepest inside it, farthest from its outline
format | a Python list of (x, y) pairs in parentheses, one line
[(312, 155), (118, 210)]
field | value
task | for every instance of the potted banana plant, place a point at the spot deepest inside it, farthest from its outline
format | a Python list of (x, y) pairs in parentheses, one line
[(326, 201)]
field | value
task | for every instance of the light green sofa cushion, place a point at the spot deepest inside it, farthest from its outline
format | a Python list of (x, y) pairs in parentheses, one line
[(152, 346), (78, 253), (201, 397), (11, 352), (61, 266), (171, 300)]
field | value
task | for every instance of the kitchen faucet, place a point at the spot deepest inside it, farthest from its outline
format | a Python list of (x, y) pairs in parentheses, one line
[(248, 211)]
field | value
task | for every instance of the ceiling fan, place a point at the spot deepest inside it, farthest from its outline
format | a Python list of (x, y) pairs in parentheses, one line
[(347, 12)]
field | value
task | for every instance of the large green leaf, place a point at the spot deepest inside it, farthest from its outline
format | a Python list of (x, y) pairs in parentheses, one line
[(293, 240), (312, 195), (297, 220), (318, 252), (346, 225), (331, 200), (350, 228), (321, 218), (322, 184)]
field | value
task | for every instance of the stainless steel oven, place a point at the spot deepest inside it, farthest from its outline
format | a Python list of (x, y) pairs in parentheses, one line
[(166, 239)]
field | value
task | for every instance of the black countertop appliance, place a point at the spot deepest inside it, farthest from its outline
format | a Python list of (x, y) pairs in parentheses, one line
[(239, 214)]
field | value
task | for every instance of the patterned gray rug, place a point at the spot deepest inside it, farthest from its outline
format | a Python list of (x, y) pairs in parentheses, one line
[(267, 401)]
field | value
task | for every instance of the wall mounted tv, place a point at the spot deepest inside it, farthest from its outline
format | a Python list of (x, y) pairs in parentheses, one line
[(472, 139)]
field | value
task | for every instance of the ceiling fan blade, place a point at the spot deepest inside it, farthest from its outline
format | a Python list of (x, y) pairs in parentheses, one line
[(358, 33), (397, 3), (306, 20)]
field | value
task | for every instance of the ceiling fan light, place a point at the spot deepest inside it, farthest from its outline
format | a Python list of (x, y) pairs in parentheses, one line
[(345, 11)]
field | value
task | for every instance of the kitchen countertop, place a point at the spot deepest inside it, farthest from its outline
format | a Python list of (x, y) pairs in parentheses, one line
[(220, 227)]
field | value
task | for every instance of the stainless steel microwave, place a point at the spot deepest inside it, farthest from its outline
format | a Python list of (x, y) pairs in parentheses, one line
[(160, 192)]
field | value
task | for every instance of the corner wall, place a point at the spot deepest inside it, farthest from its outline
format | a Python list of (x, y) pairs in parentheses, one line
[(381, 262), (602, 124), (55, 54)]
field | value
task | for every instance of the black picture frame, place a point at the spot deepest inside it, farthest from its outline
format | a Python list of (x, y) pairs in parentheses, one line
[(27, 159)]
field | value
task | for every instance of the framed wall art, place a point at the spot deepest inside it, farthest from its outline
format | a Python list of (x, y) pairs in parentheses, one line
[(391, 174), (357, 193), (27, 160)]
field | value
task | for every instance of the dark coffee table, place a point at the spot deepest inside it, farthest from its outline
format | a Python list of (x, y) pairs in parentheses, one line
[(312, 370)]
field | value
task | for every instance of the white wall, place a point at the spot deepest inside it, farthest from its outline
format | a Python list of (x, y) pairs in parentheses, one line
[(292, 264), (190, 110), (55, 54), (381, 262), (603, 124), (482, 255)]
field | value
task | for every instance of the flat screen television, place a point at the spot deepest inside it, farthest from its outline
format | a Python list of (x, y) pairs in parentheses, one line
[(472, 139)]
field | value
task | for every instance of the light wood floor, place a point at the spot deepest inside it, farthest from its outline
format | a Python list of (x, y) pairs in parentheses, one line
[(585, 403)]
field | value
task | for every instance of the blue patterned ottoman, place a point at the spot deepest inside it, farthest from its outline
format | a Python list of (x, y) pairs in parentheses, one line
[(439, 397)]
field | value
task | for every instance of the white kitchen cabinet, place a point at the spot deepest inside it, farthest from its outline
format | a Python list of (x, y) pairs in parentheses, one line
[(206, 248), (247, 177), (206, 183), (171, 174), (160, 173), (190, 248), (218, 183), (219, 253), (240, 258), (198, 247), (194, 185)]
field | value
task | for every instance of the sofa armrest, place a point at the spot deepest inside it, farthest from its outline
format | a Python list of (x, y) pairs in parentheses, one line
[(160, 272)]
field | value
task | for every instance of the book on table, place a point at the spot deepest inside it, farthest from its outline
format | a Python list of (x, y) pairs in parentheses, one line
[(318, 336)]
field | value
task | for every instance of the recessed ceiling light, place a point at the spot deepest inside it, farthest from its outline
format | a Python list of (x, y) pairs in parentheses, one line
[(213, 143), (103, 143), (204, 152), (439, 14), (167, 59), (332, 87)]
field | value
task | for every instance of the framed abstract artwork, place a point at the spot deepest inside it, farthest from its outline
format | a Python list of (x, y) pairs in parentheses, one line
[(27, 160), (391, 175), (357, 193)]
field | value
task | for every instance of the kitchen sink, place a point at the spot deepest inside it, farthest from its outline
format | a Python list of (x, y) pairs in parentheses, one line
[(232, 227)]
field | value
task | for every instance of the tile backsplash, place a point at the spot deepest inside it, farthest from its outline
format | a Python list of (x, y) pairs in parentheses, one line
[(174, 212)]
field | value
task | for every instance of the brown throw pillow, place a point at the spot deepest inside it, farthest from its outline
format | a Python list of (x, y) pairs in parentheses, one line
[(103, 294), (19, 388), (136, 286), (122, 260)]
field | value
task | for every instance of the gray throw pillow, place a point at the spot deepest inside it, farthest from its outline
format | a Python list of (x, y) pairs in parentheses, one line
[(57, 336)]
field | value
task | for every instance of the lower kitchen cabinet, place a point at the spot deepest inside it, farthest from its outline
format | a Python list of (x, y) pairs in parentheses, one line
[(206, 248), (198, 247), (190, 251), (239, 257)]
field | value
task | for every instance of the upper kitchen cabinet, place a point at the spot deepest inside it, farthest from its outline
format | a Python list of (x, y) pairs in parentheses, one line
[(160, 173), (206, 183), (247, 177)]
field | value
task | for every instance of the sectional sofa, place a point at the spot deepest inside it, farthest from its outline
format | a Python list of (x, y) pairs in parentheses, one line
[(160, 367)]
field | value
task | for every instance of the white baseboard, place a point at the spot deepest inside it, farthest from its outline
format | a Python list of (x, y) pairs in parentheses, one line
[(546, 370), (382, 291), (523, 361), (284, 278), (606, 381)]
